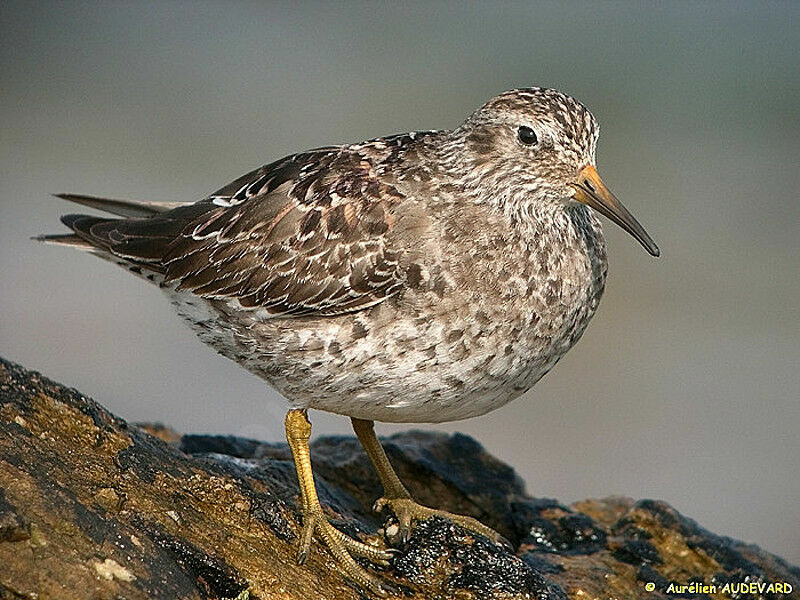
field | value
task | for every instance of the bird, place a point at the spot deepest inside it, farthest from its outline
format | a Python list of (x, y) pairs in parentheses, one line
[(422, 277)]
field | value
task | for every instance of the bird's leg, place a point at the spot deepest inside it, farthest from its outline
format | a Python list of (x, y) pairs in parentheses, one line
[(392, 486), (398, 499), (343, 547)]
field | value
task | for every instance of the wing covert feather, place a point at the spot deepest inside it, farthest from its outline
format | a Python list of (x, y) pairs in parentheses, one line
[(304, 236)]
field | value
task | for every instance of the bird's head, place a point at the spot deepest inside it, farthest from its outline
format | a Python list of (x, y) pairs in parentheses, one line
[(536, 145)]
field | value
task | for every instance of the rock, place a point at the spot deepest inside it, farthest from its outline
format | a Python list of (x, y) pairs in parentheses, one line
[(92, 507)]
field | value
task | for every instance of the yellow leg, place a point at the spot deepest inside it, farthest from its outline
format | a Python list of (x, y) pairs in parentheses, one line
[(398, 498), (392, 486), (343, 547)]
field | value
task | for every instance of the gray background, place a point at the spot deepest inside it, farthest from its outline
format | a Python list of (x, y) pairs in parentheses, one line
[(686, 385)]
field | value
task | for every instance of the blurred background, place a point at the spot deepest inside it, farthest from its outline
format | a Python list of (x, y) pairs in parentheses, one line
[(686, 387)]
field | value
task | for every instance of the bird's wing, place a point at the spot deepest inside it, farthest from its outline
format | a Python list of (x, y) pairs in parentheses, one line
[(306, 235)]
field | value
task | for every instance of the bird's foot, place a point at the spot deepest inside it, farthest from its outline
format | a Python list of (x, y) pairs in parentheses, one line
[(344, 548), (407, 512)]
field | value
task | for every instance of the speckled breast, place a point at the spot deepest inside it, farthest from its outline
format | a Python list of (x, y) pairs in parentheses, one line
[(472, 335)]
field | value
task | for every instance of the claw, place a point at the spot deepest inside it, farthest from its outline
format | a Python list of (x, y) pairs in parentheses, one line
[(405, 534), (505, 544)]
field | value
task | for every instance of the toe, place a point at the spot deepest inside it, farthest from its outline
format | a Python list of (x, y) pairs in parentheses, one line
[(380, 504), (385, 589), (302, 556), (306, 537), (344, 548)]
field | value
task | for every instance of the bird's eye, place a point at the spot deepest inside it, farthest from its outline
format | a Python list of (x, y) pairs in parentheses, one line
[(527, 135)]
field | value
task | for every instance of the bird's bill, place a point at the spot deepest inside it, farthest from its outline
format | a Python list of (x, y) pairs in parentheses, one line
[(591, 191)]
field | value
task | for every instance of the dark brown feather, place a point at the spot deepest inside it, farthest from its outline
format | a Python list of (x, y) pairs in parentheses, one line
[(304, 235)]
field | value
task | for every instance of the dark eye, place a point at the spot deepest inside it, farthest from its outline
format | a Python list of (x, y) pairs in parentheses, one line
[(527, 135)]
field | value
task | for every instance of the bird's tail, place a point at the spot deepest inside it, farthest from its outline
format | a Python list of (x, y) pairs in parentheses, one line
[(121, 208), (64, 239)]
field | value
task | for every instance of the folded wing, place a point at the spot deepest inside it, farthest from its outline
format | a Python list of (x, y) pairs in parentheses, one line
[(303, 236)]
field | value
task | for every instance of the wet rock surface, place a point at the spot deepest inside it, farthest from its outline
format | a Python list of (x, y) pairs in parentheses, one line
[(92, 507)]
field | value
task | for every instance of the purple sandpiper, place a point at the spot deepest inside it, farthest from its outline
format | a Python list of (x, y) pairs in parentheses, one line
[(422, 277)]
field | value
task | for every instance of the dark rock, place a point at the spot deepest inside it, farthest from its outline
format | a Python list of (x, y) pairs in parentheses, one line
[(637, 552), (558, 529), (13, 527), (91, 507)]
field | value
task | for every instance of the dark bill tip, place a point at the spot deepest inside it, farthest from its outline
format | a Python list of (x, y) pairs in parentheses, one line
[(591, 191)]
